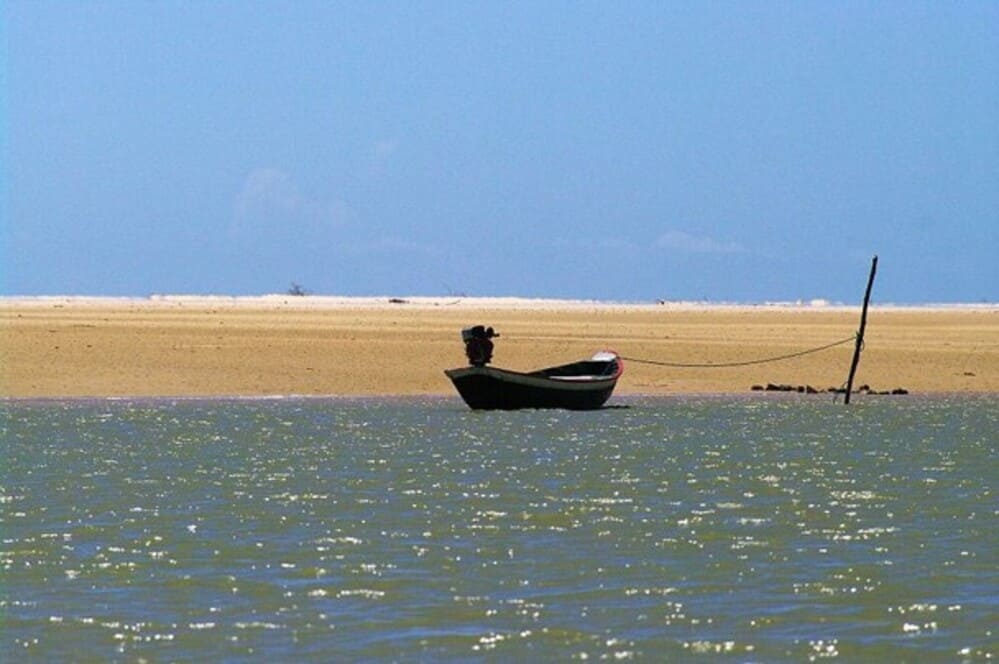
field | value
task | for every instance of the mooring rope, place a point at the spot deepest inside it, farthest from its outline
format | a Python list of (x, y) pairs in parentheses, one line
[(711, 365)]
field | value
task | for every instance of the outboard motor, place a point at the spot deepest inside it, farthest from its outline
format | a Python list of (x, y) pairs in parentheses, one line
[(478, 344)]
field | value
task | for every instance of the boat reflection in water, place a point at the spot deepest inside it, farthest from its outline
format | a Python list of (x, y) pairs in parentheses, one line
[(582, 385)]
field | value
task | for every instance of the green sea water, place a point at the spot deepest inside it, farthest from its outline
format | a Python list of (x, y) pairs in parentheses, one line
[(762, 528)]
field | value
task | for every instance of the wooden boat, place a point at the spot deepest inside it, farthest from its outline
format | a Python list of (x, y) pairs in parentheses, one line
[(583, 385)]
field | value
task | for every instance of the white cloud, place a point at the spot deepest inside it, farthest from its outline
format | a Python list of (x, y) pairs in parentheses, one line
[(674, 240), (384, 149), (270, 199), (267, 191)]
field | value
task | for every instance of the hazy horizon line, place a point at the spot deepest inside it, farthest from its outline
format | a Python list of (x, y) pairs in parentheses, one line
[(814, 303)]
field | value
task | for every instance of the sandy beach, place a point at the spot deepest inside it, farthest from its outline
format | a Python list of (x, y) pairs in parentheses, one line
[(280, 345)]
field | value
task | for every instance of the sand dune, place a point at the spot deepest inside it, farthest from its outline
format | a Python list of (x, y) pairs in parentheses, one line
[(213, 346)]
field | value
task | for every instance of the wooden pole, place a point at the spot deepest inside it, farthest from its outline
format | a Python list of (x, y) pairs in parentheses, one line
[(860, 332)]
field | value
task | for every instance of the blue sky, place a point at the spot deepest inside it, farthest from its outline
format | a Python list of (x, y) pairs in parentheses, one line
[(734, 151)]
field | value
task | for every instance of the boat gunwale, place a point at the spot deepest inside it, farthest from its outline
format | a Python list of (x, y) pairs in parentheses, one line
[(539, 380)]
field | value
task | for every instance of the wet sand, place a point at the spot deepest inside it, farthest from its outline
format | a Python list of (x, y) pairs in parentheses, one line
[(93, 347)]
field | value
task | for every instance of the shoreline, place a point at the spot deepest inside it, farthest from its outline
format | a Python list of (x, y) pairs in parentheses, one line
[(329, 302), (315, 346), (614, 403)]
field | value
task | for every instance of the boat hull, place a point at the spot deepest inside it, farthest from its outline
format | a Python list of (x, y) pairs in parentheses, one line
[(490, 388)]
